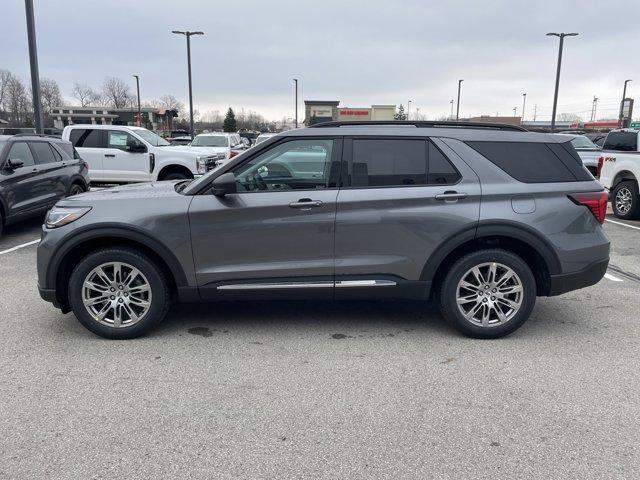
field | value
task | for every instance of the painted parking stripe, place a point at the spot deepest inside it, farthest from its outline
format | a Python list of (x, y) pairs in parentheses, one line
[(623, 224), (613, 278), (18, 247)]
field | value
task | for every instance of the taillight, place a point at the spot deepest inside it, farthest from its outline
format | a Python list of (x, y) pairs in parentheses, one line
[(232, 154), (600, 164), (594, 201)]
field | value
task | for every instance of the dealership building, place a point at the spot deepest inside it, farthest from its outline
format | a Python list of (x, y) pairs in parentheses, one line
[(318, 111)]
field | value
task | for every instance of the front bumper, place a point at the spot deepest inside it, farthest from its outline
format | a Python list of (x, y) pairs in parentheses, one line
[(566, 282)]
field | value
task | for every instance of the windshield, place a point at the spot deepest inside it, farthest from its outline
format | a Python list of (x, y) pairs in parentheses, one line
[(210, 141), (152, 138), (583, 142)]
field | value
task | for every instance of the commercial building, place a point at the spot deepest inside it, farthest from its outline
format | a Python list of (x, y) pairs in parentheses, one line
[(318, 111), (152, 118)]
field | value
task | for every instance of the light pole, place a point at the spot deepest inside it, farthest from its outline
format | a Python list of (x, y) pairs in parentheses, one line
[(458, 104), (33, 60), (295, 80), (524, 102), (408, 108), (595, 107), (138, 91), (188, 35), (451, 116), (418, 113), (555, 95), (514, 111), (624, 95)]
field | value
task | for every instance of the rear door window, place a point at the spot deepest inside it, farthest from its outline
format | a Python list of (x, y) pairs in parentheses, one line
[(621, 141), (528, 162), (86, 138), (44, 153), (388, 163)]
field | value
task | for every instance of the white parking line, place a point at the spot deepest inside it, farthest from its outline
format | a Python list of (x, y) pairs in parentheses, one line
[(17, 247), (623, 224), (608, 276)]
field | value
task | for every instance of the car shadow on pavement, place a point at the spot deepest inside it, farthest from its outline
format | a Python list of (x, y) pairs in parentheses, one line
[(21, 232)]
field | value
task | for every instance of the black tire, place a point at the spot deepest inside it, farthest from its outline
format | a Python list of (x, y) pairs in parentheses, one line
[(177, 176), (626, 190), (449, 289), (76, 189), (160, 294)]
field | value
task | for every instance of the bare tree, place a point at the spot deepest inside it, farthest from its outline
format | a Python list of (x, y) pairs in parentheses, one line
[(16, 100), (5, 77), (116, 92), (86, 95), (50, 95)]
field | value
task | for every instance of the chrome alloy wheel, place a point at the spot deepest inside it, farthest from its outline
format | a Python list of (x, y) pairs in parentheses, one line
[(116, 294), (489, 294), (624, 199)]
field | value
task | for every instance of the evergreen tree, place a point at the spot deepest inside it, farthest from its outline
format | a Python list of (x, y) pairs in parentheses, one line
[(230, 124), (400, 115)]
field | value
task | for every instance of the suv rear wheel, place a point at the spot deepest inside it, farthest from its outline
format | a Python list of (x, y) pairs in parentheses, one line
[(488, 293), (625, 200), (118, 293)]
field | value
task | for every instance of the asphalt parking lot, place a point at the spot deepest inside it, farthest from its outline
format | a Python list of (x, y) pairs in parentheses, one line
[(322, 390)]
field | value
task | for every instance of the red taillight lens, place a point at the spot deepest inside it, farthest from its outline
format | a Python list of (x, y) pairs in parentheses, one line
[(600, 164), (594, 201), (232, 154)]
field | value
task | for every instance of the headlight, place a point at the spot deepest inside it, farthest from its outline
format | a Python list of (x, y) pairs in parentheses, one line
[(59, 216), (201, 163)]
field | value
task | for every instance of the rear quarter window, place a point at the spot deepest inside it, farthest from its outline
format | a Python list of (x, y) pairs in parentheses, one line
[(531, 162)]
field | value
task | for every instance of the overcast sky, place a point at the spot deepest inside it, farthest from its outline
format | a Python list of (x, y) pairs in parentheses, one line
[(360, 52)]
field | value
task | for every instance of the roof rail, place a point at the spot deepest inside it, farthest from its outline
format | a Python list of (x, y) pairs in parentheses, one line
[(46, 135), (424, 124)]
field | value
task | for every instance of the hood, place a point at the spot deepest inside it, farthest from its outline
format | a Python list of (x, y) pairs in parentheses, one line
[(131, 191), (196, 150)]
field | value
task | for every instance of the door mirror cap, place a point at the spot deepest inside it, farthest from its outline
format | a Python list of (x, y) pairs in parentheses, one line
[(14, 163), (136, 147), (224, 185)]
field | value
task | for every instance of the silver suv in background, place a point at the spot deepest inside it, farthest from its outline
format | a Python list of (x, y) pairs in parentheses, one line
[(484, 218)]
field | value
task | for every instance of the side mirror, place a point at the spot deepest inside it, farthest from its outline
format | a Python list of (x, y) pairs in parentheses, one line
[(224, 185), (14, 163), (136, 147)]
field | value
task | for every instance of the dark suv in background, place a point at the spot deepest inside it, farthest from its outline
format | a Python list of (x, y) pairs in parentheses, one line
[(35, 172), (482, 217)]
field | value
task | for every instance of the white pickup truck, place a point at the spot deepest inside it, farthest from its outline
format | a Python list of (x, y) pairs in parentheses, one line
[(619, 169), (123, 154)]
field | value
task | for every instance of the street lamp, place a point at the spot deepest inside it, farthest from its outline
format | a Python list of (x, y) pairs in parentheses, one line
[(295, 80), (624, 95), (524, 102), (408, 108), (458, 104), (451, 116), (188, 35), (138, 90), (555, 95), (593, 108)]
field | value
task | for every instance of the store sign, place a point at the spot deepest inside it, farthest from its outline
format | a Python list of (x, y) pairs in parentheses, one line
[(354, 113), (321, 112)]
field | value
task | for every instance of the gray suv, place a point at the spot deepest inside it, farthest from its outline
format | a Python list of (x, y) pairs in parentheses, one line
[(482, 217)]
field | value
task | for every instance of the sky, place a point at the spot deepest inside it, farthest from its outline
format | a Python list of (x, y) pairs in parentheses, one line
[(360, 52)]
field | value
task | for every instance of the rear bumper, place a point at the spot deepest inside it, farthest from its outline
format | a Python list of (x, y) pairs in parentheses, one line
[(566, 282)]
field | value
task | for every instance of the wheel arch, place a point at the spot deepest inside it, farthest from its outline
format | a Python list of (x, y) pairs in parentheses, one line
[(622, 176), (174, 168)]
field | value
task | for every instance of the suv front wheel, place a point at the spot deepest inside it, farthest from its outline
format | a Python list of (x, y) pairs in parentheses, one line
[(118, 293), (488, 293)]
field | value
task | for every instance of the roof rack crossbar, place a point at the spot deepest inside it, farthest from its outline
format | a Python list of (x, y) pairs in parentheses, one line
[(46, 135), (424, 124)]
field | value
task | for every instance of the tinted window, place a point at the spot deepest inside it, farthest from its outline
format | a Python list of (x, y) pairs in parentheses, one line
[(210, 141), (441, 172), (622, 141), (87, 138), (44, 153), (20, 151), (526, 162), (294, 165), (68, 149), (388, 163)]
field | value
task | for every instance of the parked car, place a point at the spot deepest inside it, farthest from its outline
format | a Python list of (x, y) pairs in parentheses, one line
[(264, 136), (36, 172), (180, 141), (122, 154), (229, 144), (588, 151), (483, 217), (17, 130), (597, 138), (619, 166)]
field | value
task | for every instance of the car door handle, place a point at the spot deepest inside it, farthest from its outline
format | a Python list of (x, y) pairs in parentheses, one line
[(305, 203), (451, 196), (109, 155)]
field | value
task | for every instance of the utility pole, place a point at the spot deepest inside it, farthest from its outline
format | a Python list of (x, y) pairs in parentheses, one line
[(451, 116), (188, 35), (408, 108), (555, 95), (295, 80), (514, 111), (418, 113), (524, 102), (138, 90), (458, 104), (595, 107), (624, 95), (33, 60)]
